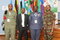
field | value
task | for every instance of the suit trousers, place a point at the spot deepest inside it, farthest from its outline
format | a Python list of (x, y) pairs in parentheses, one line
[(35, 34), (22, 32)]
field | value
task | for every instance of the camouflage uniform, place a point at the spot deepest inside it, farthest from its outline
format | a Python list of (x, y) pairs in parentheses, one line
[(10, 26), (49, 19)]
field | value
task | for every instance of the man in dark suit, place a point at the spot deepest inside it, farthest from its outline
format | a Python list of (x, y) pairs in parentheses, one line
[(22, 24)]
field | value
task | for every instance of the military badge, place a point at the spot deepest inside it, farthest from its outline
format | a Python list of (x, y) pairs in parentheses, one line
[(39, 15), (35, 21), (8, 20)]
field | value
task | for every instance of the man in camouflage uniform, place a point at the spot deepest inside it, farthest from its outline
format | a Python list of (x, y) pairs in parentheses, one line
[(10, 23), (49, 19)]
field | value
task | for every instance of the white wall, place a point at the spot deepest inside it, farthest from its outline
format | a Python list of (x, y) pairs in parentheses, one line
[(59, 9)]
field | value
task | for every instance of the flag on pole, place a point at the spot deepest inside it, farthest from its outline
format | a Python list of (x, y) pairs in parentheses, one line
[(20, 4), (20, 7), (35, 2), (42, 7), (16, 6), (23, 4), (11, 2), (42, 1), (38, 4), (27, 6), (32, 5), (29, 2)]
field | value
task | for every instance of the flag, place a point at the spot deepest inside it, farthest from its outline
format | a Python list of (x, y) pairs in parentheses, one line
[(23, 4), (38, 4), (45, 0), (32, 5), (20, 4), (27, 6), (42, 7), (35, 2), (20, 7), (25, 0), (54, 9), (42, 1), (16, 6), (29, 11), (29, 2)]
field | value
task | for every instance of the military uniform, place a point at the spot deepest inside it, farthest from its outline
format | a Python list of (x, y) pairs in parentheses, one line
[(10, 25), (49, 19)]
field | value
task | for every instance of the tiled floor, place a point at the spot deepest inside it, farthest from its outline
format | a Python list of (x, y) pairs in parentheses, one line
[(56, 34), (2, 37)]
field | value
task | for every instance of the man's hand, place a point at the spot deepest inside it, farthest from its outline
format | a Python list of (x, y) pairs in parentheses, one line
[(28, 31), (17, 31)]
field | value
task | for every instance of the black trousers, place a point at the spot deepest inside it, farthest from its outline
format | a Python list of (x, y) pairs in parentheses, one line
[(23, 32)]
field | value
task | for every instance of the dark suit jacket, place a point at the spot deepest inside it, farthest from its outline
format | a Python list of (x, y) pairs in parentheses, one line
[(19, 21)]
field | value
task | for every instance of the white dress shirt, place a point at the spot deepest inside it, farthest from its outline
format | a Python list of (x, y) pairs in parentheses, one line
[(23, 19)]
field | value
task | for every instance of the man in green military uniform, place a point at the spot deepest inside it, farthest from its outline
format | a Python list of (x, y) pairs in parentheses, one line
[(49, 19), (10, 23)]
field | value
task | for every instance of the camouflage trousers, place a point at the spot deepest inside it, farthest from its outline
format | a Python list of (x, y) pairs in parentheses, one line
[(47, 36)]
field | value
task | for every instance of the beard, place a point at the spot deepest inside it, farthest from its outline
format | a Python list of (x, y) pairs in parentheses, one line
[(10, 8)]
